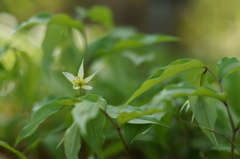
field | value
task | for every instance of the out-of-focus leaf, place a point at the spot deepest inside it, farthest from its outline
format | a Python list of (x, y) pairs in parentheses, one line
[(95, 135), (132, 131), (180, 90), (5, 145), (43, 18), (161, 74), (101, 15), (110, 44), (46, 18), (227, 65), (40, 113), (231, 85), (72, 142)]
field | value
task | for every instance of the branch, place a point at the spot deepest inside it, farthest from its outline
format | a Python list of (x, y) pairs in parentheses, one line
[(214, 131), (119, 132)]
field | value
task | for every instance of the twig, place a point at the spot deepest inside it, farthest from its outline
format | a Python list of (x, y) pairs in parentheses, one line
[(119, 132), (214, 131)]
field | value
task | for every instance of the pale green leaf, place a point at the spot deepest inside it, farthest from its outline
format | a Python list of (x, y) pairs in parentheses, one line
[(181, 90), (72, 142), (205, 112), (138, 115), (46, 18), (227, 65), (126, 116), (6, 146), (161, 74), (95, 135)]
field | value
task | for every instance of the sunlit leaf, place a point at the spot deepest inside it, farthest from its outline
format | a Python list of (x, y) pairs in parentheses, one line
[(227, 65), (40, 112), (46, 18), (180, 90), (161, 74), (6, 146), (72, 142)]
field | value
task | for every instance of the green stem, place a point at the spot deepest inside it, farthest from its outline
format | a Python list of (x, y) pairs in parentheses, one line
[(80, 92)]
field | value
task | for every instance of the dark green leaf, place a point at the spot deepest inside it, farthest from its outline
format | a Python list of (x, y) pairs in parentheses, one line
[(5, 145), (227, 65), (161, 74), (72, 142), (40, 112), (132, 131)]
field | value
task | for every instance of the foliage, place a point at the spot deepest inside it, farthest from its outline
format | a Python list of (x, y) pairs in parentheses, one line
[(103, 116)]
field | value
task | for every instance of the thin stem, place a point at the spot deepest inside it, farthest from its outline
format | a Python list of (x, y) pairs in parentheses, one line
[(80, 92), (215, 77), (119, 133), (234, 129), (214, 131)]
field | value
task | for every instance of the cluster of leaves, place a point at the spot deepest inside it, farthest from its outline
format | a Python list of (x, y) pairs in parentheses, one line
[(93, 119)]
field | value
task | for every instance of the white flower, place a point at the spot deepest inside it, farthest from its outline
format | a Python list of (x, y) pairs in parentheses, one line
[(79, 81)]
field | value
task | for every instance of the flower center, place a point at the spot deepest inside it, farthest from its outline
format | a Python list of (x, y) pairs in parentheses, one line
[(79, 82)]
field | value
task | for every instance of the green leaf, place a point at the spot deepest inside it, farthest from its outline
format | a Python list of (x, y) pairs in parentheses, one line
[(40, 112), (87, 110), (205, 112), (5, 145), (72, 142), (101, 15), (205, 109), (95, 135), (137, 115), (113, 43), (43, 18), (132, 131), (180, 90), (227, 65), (46, 18), (161, 74)]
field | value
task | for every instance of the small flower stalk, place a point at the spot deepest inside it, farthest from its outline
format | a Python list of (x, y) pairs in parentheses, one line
[(79, 82)]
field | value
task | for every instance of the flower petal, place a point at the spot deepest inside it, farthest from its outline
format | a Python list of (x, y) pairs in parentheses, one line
[(81, 70), (87, 87), (75, 87), (90, 77), (69, 76)]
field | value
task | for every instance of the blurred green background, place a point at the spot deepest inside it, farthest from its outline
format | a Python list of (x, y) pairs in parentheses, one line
[(208, 30)]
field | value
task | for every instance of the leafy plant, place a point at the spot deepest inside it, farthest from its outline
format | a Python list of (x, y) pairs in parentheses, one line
[(91, 119)]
